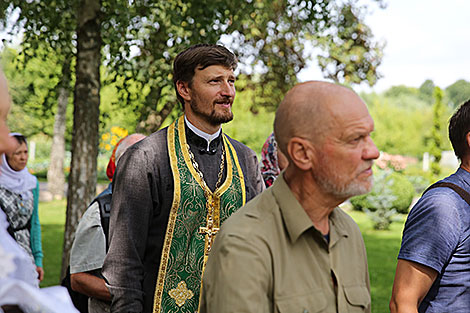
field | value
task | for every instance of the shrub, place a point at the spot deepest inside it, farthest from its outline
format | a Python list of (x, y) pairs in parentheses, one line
[(418, 178), (386, 184)]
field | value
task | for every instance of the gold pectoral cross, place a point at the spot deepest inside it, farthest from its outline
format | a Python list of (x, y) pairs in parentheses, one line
[(210, 231)]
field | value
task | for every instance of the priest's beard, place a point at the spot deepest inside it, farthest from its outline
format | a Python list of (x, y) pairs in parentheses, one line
[(214, 116)]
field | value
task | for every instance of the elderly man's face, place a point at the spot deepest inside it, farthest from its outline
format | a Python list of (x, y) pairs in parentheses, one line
[(345, 157), (7, 143)]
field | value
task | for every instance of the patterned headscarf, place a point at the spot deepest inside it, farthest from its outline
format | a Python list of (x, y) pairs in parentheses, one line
[(269, 163)]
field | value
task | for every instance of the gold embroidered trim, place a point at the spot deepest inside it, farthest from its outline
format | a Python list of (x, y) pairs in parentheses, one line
[(181, 293), (184, 149), (239, 170), (171, 220)]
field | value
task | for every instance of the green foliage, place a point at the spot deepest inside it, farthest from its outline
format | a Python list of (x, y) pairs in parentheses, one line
[(33, 86), (436, 136), (247, 127), (141, 38), (401, 90), (401, 124), (426, 90), (273, 36), (404, 121), (351, 55), (418, 178), (391, 192), (458, 92)]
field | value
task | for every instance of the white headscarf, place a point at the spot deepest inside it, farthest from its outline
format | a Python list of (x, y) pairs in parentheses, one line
[(20, 182)]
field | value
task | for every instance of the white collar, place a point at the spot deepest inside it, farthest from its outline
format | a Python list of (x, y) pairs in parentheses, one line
[(200, 133)]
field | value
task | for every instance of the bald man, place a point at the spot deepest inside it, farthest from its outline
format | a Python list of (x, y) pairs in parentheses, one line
[(89, 246), (292, 249)]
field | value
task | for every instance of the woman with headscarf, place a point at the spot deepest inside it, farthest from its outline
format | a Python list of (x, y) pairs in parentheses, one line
[(273, 161), (19, 198)]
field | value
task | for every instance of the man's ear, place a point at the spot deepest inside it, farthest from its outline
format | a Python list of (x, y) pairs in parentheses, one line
[(301, 153), (184, 90), (467, 138)]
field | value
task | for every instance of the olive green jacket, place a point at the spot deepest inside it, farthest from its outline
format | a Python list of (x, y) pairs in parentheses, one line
[(268, 257)]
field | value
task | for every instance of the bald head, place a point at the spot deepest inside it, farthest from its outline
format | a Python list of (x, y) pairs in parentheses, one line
[(309, 110), (126, 143)]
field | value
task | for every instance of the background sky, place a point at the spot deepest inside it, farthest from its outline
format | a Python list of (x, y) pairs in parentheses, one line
[(424, 40)]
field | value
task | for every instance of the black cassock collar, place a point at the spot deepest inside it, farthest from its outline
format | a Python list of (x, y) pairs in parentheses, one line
[(200, 144)]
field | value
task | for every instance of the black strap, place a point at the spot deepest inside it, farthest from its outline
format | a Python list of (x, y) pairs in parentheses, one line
[(104, 203), (461, 192)]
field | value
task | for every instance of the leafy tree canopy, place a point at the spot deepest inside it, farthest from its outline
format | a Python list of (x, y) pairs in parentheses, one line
[(458, 92), (426, 90), (33, 87), (141, 38)]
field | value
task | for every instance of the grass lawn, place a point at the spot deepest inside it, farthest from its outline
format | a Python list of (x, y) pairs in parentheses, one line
[(52, 218), (382, 250)]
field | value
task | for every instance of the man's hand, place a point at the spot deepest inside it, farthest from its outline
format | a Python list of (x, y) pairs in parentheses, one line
[(40, 271), (412, 283)]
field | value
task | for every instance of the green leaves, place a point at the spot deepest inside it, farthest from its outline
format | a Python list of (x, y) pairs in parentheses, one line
[(142, 37)]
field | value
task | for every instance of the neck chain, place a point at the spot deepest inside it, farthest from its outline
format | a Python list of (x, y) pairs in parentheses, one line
[(207, 191), (209, 231)]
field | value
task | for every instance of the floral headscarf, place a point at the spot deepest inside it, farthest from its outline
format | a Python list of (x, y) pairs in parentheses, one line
[(269, 162)]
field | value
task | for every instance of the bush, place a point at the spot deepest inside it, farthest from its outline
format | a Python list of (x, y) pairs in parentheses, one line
[(398, 186), (418, 178)]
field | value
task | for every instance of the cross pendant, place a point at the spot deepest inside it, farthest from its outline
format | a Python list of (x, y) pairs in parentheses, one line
[(210, 231)]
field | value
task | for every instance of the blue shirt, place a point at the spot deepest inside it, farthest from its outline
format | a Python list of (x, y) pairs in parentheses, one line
[(437, 235)]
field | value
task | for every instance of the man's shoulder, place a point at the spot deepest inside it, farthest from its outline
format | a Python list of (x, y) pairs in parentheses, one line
[(91, 217), (153, 141), (151, 147), (444, 199), (240, 147), (89, 220)]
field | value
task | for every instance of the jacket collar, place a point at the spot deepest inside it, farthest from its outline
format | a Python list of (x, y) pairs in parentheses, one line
[(297, 220)]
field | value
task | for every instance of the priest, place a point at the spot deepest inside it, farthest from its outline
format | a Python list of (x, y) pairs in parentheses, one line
[(174, 189)]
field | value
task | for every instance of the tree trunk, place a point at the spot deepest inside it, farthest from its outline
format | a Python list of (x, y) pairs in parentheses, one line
[(85, 138), (55, 173)]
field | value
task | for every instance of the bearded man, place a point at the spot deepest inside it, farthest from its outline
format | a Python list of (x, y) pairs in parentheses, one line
[(173, 190), (291, 249)]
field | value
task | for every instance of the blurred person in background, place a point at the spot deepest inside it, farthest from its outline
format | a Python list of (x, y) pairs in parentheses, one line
[(19, 199), (273, 161), (90, 244), (19, 290)]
